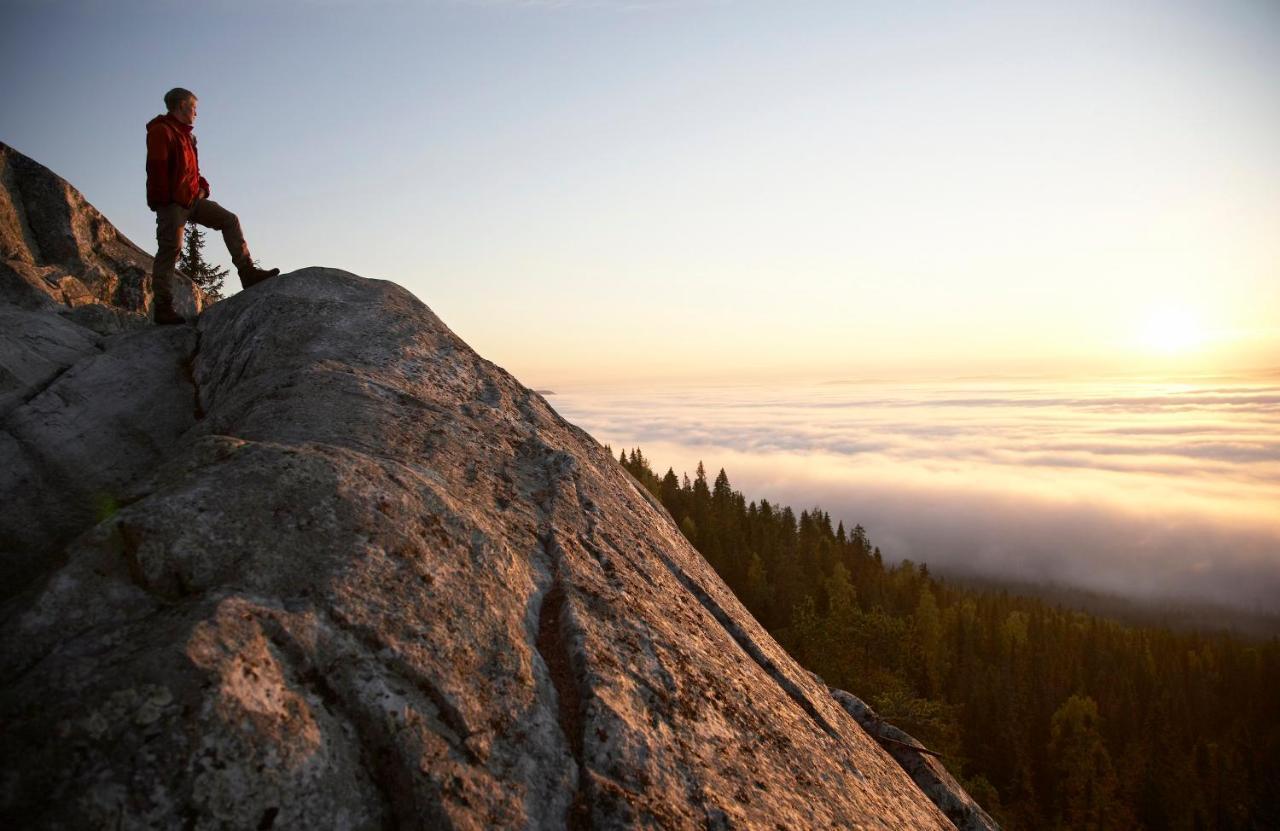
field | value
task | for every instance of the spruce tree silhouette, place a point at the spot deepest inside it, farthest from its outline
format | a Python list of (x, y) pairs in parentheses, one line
[(202, 272)]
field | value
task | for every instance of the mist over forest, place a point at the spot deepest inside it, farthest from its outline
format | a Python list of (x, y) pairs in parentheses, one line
[(1152, 491)]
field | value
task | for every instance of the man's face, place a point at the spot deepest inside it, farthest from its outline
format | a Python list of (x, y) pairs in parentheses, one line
[(186, 111)]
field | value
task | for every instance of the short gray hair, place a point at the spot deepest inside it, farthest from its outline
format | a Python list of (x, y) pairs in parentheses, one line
[(174, 97)]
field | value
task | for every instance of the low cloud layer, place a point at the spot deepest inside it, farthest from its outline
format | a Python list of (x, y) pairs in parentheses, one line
[(1142, 489)]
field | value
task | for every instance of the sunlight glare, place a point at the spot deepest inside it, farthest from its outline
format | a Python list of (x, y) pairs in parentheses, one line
[(1171, 331)]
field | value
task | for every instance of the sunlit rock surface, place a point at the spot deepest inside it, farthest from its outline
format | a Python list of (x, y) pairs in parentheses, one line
[(315, 563)]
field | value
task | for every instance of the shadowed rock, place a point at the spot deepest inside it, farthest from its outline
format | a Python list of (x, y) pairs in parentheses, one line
[(927, 772), (58, 253), (90, 396), (83, 417)]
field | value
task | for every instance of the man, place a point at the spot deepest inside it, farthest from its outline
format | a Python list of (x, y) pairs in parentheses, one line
[(179, 194)]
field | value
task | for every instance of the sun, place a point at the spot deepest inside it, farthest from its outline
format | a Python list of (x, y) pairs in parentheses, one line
[(1171, 331)]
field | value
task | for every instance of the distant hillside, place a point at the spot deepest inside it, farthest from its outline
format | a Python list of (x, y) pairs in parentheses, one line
[(1178, 615)]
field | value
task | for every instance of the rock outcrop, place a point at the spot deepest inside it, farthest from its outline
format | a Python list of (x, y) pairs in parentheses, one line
[(313, 562), (58, 253), (922, 765)]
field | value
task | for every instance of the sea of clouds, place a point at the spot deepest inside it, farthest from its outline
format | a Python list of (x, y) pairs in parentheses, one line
[(1147, 489)]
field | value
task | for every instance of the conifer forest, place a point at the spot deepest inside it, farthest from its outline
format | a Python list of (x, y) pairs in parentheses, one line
[(1050, 717)]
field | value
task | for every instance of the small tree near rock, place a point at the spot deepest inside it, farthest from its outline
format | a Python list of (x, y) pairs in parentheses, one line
[(202, 272)]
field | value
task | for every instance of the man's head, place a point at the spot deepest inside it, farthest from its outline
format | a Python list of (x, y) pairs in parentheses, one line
[(181, 104)]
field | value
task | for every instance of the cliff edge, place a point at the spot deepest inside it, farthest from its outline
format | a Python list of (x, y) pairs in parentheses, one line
[(313, 562)]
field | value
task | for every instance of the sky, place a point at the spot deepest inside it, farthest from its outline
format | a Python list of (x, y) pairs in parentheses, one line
[(627, 192)]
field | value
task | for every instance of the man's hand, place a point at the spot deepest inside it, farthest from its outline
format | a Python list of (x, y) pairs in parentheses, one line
[(203, 193)]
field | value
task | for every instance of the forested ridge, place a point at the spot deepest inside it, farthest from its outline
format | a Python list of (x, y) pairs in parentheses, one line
[(1051, 717)]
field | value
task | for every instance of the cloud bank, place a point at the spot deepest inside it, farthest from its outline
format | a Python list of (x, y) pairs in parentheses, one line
[(1144, 489)]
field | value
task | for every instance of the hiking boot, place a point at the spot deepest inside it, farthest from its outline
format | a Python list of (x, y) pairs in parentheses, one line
[(255, 276), (166, 316)]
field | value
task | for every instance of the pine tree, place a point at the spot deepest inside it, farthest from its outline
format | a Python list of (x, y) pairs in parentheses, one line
[(701, 492), (202, 272), (757, 594), (669, 493), (927, 629), (1085, 776)]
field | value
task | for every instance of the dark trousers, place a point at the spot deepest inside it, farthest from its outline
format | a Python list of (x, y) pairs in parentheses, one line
[(171, 221)]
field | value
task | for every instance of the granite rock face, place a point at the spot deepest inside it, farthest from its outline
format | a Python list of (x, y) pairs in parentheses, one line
[(313, 562), (82, 415), (58, 253), (368, 579), (925, 769)]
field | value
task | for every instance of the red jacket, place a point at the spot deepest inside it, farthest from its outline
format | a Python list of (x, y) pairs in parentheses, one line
[(173, 165)]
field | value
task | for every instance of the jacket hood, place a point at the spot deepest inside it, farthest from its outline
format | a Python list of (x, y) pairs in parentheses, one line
[(169, 121)]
